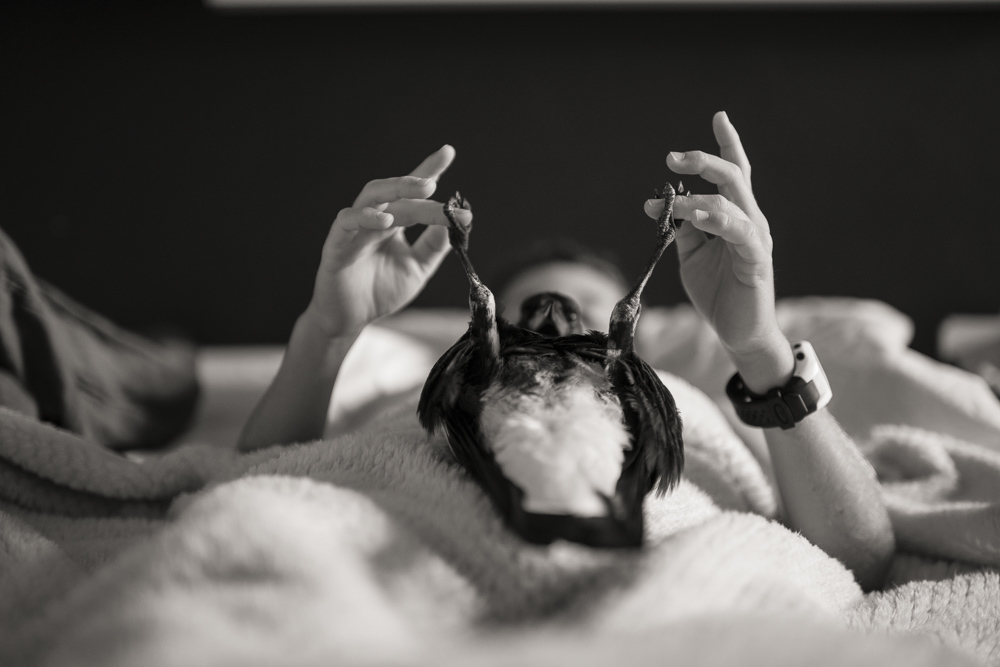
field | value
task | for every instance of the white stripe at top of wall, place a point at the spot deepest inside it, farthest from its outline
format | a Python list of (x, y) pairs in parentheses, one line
[(603, 4)]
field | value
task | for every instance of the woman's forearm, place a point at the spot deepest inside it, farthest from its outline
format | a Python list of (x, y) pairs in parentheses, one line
[(295, 406), (829, 491), (831, 496)]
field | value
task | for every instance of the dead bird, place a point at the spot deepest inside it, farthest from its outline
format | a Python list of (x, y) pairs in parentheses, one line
[(565, 431)]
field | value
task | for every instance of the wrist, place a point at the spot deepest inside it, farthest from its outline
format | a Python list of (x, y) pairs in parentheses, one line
[(312, 334), (767, 366), (323, 326)]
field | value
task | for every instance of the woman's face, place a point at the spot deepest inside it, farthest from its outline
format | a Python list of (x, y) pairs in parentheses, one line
[(596, 293)]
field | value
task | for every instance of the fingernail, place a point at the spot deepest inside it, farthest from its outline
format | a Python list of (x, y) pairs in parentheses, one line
[(425, 181), (700, 215), (678, 156), (384, 217), (652, 203)]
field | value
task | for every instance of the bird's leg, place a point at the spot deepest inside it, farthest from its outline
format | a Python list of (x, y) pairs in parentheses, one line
[(481, 302), (621, 331)]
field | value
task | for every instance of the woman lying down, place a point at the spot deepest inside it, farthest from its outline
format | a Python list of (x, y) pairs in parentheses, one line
[(369, 271)]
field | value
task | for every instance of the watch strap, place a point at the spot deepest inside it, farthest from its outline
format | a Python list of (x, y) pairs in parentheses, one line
[(807, 392)]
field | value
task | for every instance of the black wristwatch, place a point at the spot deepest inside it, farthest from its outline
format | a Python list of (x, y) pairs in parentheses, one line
[(807, 392)]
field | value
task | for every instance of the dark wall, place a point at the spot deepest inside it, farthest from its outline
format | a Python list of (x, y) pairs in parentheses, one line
[(168, 164)]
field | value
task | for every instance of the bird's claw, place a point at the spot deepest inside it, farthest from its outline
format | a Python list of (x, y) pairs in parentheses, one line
[(666, 224), (458, 230), (669, 190)]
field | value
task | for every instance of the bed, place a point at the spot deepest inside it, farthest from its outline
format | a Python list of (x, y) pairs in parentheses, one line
[(371, 547)]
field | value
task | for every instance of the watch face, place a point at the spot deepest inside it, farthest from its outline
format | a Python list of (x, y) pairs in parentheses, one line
[(808, 368)]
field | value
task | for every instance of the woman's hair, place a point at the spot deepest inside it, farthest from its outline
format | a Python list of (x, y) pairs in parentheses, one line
[(548, 251)]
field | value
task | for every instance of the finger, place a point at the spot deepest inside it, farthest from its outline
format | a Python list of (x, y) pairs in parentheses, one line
[(410, 212), (723, 173), (685, 206), (689, 239), (730, 146), (735, 230), (356, 219), (710, 167), (747, 240), (431, 247), (654, 207), (435, 164), (384, 190)]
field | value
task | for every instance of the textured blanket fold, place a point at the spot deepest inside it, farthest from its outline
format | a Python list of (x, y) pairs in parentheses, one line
[(943, 494), (47, 469)]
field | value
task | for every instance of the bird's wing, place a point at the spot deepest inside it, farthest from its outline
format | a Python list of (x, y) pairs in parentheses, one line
[(445, 404), (651, 417), (466, 442), (443, 387)]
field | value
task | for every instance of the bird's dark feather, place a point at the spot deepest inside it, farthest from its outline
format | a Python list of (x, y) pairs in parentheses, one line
[(443, 386), (651, 417)]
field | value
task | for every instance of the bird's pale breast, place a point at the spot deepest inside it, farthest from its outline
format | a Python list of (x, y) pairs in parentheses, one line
[(557, 432)]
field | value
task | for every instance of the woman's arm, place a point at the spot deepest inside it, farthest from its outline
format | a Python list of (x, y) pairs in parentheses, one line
[(368, 270), (828, 490), (295, 406)]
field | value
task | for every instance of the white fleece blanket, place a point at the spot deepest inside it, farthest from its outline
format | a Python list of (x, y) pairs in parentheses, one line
[(372, 547)]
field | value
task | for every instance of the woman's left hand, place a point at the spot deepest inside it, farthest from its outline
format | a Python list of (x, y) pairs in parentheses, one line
[(729, 279)]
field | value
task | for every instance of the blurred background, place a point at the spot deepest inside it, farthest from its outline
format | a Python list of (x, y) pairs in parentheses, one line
[(171, 164)]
